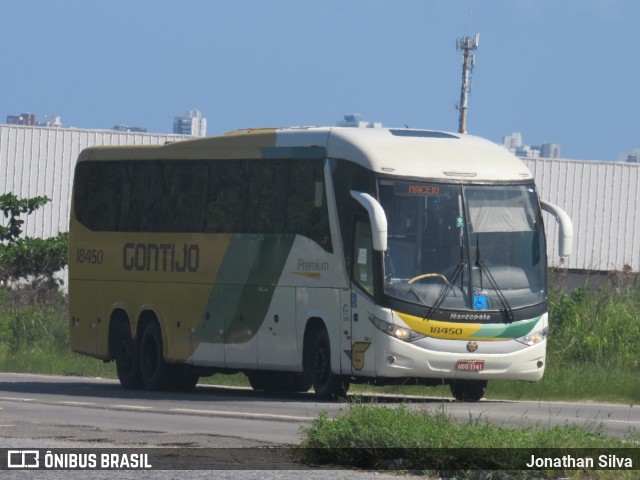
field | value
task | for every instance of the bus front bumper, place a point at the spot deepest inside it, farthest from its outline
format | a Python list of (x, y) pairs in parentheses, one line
[(396, 359)]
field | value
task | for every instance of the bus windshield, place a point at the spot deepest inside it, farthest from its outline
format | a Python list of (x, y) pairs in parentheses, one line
[(463, 247)]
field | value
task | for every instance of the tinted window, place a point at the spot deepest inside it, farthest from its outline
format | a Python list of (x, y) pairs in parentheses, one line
[(222, 196)]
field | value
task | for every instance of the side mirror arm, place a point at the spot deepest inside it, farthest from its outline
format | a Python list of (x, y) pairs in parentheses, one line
[(565, 237), (377, 217)]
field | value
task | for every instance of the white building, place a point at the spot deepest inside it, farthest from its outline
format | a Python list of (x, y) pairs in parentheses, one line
[(39, 161), (515, 145), (193, 123)]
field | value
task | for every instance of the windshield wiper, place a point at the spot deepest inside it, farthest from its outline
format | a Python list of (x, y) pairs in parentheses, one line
[(445, 290), (456, 273), (485, 269)]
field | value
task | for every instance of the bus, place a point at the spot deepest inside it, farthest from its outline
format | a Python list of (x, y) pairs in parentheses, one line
[(311, 257)]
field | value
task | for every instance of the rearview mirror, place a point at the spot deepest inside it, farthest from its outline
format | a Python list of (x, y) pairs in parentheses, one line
[(377, 217)]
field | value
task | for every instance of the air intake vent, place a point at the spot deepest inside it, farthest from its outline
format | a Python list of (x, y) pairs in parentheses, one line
[(421, 133)]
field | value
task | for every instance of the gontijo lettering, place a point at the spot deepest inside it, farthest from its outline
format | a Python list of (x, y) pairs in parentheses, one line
[(161, 257)]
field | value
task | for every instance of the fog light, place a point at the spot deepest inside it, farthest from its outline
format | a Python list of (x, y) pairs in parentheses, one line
[(540, 363), (391, 359)]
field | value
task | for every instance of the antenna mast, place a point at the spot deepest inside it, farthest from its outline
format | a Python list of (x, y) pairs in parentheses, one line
[(467, 45)]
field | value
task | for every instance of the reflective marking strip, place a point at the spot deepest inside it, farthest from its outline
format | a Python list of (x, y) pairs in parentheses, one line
[(16, 399), (131, 407), (77, 403), (617, 421)]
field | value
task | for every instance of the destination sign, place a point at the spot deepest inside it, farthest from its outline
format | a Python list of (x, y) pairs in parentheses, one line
[(421, 189)]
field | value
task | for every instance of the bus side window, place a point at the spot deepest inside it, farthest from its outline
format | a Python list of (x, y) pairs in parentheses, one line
[(363, 256)]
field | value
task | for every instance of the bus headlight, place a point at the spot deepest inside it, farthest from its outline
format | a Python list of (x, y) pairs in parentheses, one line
[(400, 333), (535, 337)]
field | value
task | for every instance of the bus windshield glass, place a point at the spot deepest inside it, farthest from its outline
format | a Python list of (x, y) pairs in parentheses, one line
[(463, 247)]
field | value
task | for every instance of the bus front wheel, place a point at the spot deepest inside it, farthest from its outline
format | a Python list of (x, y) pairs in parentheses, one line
[(326, 384), (127, 359), (468, 390)]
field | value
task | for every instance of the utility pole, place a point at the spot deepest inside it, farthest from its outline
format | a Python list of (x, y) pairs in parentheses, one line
[(467, 45)]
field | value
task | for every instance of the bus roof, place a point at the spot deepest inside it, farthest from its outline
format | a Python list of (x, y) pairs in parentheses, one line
[(403, 152)]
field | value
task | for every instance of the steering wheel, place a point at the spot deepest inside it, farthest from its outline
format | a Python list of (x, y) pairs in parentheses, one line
[(429, 275)]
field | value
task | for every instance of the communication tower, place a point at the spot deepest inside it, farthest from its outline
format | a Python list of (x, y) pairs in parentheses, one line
[(468, 45)]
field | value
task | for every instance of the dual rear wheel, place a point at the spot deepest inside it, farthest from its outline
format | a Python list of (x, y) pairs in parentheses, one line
[(142, 365)]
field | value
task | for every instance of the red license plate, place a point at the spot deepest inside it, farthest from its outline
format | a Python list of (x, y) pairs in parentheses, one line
[(470, 365)]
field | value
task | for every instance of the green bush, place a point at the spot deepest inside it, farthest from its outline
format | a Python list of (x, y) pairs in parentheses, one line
[(27, 259), (32, 319), (599, 327)]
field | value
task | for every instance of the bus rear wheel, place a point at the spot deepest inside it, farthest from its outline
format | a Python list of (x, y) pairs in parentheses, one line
[(156, 373), (127, 359), (326, 384), (468, 390)]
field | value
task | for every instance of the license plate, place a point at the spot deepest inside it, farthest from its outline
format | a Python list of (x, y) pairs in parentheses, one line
[(470, 365)]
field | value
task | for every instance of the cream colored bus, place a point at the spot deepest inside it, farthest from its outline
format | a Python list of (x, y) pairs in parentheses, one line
[(311, 257)]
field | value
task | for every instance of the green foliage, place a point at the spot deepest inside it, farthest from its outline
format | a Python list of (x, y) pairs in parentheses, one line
[(12, 207), (24, 258), (36, 259), (599, 327), (33, 319)]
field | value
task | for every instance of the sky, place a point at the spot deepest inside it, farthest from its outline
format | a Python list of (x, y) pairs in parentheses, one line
[(558, 71)]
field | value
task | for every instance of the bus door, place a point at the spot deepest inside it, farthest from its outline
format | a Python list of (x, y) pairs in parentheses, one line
[(362, 304)]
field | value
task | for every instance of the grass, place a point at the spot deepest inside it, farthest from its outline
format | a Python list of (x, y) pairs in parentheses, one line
[(376, 437), (54, 363)]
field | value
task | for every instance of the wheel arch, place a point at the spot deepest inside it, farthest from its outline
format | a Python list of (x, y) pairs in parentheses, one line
[(315, 323)]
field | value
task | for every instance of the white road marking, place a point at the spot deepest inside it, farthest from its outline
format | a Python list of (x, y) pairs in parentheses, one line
[(260, 416), (131, 407)]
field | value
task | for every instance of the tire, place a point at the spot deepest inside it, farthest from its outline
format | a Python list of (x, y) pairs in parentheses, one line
[(156, 373), (326, 384), (468, 390), (127, 359)]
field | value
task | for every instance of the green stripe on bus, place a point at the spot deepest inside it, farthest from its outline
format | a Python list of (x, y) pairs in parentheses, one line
[(244, 286), (514, 330)]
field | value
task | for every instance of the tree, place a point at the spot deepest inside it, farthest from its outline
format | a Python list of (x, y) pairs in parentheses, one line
[(34, 260)]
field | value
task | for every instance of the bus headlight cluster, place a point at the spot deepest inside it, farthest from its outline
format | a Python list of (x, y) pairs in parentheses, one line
[(400, 333), (535, 337)]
